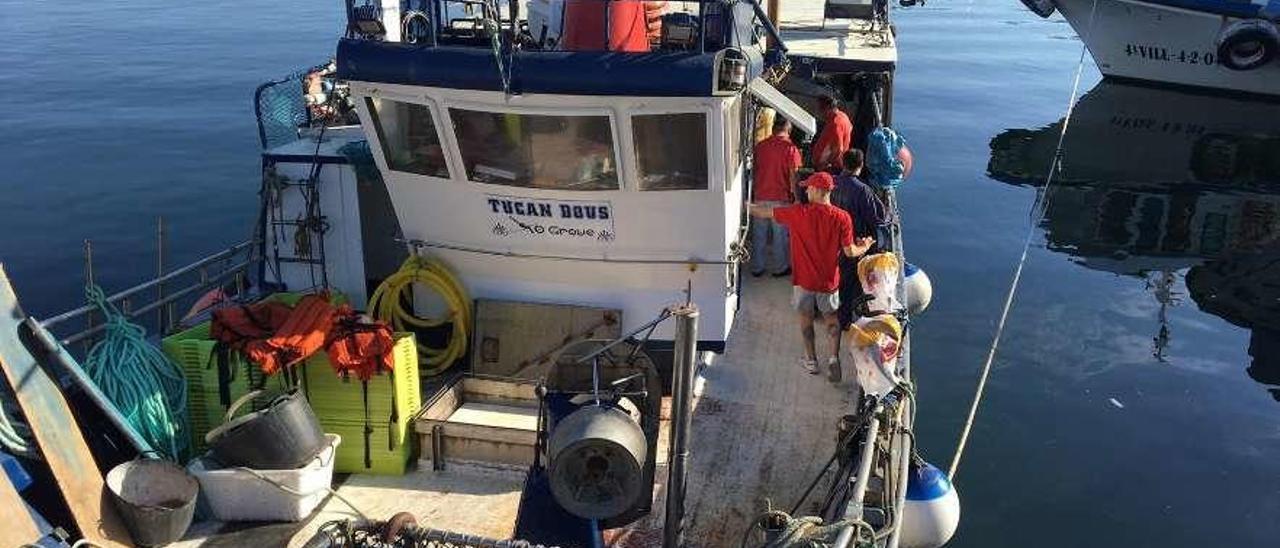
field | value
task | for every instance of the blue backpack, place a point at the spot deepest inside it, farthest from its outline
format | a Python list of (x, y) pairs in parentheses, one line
[(884, 169)]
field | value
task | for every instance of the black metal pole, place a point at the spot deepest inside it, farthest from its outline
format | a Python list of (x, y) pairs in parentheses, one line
[(686, 347)]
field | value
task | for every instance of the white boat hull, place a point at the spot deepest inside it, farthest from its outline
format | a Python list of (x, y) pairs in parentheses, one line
[(1142, 41)]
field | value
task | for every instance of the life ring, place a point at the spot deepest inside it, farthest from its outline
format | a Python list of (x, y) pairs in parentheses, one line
[(1248, 44)]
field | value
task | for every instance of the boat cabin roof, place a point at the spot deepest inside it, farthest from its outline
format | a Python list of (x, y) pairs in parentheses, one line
[(700, 42)]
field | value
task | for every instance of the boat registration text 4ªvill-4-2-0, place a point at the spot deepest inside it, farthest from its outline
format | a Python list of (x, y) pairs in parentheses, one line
[(1170, 55)]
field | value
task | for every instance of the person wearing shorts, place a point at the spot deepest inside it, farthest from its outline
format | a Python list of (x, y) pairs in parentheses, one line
[(820, 233)]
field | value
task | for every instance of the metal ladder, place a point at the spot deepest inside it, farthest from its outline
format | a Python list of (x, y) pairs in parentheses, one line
[(308, 229)]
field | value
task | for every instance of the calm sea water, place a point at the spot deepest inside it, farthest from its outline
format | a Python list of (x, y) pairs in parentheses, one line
[(1097, 430)]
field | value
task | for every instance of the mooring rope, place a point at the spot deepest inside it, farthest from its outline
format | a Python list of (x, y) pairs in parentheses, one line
[(1038, 209), (148, 388), (15, 435)]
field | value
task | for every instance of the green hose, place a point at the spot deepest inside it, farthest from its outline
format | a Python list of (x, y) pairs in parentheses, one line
[(147, 387)]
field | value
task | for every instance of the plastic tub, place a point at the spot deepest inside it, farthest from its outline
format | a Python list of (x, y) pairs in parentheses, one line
[(238, 494), (283, 436)]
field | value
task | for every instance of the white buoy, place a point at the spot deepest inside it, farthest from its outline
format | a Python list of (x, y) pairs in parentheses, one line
[(932, 510), (918, 288)]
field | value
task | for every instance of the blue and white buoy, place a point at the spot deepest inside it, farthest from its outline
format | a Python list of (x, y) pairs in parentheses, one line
[(932, 510), (918, 288)]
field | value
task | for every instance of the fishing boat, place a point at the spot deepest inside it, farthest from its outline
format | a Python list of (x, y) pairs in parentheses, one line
[(547, 196), (1216, 44)]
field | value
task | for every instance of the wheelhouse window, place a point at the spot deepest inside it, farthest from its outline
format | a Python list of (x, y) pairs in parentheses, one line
[(408, 135), (671, 150), (563, 152)]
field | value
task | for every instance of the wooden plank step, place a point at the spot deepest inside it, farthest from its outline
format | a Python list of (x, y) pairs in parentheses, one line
[(481, 432), (16, 526), (500, 416), (56, 432)]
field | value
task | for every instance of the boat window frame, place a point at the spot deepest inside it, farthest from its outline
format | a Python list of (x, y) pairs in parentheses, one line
[(436, 119), (709, 115), (735, 161), (614, 130)]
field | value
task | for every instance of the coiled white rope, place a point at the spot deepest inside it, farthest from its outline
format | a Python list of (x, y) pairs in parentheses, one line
[(1038, 209)]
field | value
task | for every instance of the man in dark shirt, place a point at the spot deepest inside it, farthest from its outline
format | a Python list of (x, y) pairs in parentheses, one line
[(869, 218)]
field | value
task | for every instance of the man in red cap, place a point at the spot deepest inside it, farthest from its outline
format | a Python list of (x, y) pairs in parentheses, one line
[(820, 232)]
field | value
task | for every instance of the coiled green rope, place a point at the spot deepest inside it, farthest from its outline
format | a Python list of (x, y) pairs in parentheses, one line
[(148, 388), (15, 437)]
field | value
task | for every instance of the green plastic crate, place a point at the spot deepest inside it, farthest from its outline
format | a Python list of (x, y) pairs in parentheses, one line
[(336, 397), (393, 461), (192, 350)]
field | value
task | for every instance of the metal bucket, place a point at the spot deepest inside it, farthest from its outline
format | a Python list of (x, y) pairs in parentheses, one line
[(156, 499)]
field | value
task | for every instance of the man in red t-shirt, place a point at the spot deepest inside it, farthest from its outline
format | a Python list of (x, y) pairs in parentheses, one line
[(820, 232), (836, 137), (776, 162)]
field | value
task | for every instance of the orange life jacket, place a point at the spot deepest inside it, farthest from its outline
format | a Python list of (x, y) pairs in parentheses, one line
[(238, 325), (360, 348), (302, 334)]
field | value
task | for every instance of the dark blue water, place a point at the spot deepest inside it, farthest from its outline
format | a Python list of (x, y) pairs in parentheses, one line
[(116, 113)]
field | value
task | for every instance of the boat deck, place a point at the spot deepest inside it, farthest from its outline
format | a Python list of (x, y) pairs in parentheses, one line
[(843, 43), (762, 428)]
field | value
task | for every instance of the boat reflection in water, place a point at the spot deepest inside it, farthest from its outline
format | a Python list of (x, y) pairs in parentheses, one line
[(1160, 184)]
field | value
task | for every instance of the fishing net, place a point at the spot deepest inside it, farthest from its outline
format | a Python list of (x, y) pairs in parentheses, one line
[(281, 110), (373, 535), (309, 98)]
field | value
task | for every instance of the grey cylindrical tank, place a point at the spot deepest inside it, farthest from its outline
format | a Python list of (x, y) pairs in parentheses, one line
[(596, 458)]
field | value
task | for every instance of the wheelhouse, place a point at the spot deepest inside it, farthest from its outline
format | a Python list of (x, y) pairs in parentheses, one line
[(554, 158)]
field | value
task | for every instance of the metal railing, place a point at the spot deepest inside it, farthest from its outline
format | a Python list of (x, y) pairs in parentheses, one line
[(230, 270)]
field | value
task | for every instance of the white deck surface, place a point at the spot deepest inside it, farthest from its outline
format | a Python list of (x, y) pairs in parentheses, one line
[(805, 33)]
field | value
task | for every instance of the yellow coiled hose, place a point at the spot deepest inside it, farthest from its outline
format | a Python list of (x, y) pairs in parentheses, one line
[(392, 303)]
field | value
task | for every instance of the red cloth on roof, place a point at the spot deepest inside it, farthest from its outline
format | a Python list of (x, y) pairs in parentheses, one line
[(818, 233), (584, 26), (835, 140), (776, 161)]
